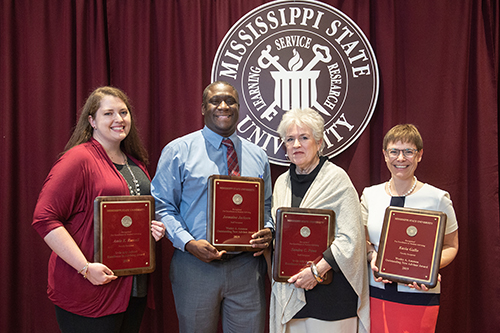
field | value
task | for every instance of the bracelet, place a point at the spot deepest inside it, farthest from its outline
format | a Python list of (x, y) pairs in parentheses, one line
[(314, 270), (368, 253), (85, 276), (84, 268)]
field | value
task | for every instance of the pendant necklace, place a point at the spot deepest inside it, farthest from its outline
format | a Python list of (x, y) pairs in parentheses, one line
[(137, 190), (407, 193)]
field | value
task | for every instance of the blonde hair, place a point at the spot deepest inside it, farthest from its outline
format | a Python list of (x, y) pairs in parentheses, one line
[(406, 133)]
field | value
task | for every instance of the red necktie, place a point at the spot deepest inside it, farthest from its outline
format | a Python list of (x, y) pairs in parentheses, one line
[(233, 169)]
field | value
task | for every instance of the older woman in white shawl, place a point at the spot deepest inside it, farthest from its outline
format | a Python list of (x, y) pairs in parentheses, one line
[(303, 305)]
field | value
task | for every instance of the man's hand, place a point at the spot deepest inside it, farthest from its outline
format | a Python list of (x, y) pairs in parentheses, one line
[(261, 240), (203, 250)]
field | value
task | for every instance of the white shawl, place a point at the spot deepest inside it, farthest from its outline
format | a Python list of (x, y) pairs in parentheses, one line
[(331, 189)]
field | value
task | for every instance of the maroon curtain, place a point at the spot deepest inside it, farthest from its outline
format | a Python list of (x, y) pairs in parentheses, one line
[(438, 64)]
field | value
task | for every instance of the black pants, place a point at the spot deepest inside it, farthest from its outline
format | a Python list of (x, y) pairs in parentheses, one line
[(125, 322)]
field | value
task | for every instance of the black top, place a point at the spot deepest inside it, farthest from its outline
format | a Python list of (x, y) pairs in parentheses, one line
[(336, 300), (140, 282), (142, 178)]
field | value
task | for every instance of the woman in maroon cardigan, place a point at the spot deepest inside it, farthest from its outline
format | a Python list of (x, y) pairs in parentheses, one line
[(104, 156)]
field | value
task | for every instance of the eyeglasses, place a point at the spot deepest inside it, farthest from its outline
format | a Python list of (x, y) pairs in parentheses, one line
[(408, 152)]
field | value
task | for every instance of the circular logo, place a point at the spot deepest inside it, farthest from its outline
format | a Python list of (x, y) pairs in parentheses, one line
[(411, 231), (305, 232), (237, 199), (298, 54), (126, 221)]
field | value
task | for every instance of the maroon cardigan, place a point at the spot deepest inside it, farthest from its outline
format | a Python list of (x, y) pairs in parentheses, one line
[(67, 199)]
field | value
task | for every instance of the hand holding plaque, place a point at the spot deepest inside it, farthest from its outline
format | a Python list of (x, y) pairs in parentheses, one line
[(122, 234), (301, 237), (410, 246), (235, 211)]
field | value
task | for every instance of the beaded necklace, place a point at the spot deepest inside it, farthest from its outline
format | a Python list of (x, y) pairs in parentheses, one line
[(407, 193), (137, 190)]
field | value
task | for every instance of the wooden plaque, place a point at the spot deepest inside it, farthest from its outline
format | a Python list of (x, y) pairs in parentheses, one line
[(410, 245), (302, 235), (122, 233), (235, 211)]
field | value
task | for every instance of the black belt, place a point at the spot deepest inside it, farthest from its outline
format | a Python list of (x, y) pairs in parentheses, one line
[(229, 256)]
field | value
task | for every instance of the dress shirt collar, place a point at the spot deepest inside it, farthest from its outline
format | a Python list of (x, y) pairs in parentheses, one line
[(216, 139)]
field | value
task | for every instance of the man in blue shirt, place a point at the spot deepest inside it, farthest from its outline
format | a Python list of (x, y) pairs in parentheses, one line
[(207, 282)]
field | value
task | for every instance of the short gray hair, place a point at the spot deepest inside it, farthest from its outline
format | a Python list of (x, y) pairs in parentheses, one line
[(303, 117)]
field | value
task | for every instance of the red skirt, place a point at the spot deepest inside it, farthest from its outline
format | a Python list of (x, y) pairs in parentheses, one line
[(392, 317)]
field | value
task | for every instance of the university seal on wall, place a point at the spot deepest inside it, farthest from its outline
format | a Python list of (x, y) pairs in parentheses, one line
[(297, 54)]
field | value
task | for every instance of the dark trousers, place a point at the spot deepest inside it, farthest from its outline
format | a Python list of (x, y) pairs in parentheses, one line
[(125, 322)]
